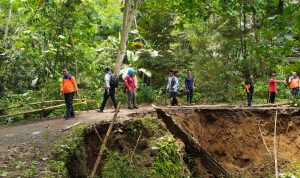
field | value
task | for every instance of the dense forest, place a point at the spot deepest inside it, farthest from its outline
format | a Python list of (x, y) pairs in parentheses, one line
[(220, 41)]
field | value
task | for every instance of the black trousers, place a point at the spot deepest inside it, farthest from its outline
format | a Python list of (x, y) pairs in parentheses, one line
[(175, 101), (189, 95), (272, 97), (69, 103), (106, 95), (249, 97)]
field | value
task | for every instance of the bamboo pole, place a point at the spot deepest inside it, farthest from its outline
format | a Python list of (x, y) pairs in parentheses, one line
[(264, 141), (275, 147), (105, 141), (40, 102), (35, 111), (131, 157)]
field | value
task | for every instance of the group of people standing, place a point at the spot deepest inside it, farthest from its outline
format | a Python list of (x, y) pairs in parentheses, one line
[(69, 87), (293, 81), (173, 84)]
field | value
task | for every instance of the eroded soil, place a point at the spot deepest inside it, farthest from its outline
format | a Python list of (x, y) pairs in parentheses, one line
[(233, 136)]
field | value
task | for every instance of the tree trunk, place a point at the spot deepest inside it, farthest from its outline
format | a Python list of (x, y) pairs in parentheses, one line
[(241, 29), (128, 17), (244, 28), (7, 23)]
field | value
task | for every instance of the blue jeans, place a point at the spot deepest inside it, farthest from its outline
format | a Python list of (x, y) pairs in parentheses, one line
[(294, 92)]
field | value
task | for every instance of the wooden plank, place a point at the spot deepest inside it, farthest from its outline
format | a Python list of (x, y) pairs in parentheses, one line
[(192, 147)]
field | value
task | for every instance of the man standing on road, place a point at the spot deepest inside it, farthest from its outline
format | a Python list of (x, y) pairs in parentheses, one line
[(172, 87), (272, 88), (294, 84), (189, 87), (68, 87), (110, 84)]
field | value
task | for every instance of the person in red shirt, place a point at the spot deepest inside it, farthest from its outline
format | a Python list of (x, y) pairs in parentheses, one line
[(272, 88), (131, 87), (68, 87)]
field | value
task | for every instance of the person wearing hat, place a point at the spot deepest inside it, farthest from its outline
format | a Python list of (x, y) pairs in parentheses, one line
[(109, 89), (294, 84), (131, 87), (272, 88), (68, 87)]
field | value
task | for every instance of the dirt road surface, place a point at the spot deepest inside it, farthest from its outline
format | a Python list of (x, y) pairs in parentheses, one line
[(48, 130)]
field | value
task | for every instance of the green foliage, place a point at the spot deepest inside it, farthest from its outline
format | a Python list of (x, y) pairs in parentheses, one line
[(294, 172), (58, 167), (117, 165), (220, 41), (146, 94), (68, 146), (167, 159)]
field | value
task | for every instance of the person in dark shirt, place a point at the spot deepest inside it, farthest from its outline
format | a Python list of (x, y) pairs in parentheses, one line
[(189, 87), (249, 86)]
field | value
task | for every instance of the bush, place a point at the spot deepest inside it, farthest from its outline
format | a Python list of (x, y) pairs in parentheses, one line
[(146, 94)]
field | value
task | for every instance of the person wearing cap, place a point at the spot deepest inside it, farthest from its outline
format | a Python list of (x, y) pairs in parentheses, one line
[(68, 87), (109, 90), (131, 87), (294, 84), (272, 88), (249, 86)]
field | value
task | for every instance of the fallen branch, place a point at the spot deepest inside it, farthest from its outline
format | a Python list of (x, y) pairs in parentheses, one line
[(105, 141), (71, 126), (264, 141)]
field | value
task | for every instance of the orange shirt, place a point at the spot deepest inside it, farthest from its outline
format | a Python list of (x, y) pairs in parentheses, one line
[(294, 82), (68, 84)]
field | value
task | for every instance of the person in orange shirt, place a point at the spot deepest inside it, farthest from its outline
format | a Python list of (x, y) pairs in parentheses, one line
[(68, 88), (249, 86), (294, 84)]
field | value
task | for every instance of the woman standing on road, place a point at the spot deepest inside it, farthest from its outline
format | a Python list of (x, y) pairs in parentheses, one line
[(131, 87)]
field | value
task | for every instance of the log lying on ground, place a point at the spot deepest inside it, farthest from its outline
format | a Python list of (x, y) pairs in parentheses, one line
[(192, 147), (36, 103), (35, 111)]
